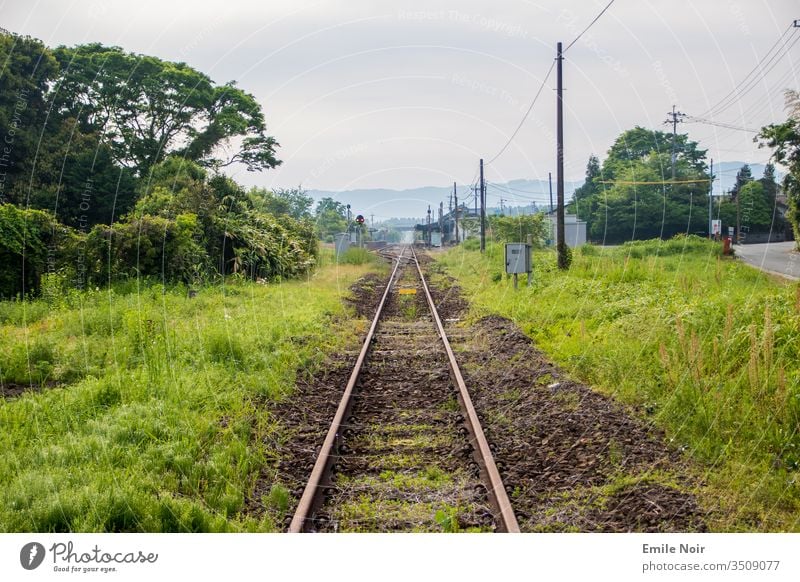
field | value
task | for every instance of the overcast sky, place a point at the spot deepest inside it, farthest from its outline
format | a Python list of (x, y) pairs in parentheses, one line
[(410, 93)]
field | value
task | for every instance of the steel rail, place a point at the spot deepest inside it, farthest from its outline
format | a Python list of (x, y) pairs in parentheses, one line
[(497, 491), (324, 459), (320, 474)]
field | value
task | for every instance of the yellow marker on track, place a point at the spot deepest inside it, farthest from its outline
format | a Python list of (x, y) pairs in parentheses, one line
[(407, 291)]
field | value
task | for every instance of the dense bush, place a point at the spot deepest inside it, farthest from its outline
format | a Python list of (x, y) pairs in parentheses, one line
[(149, 246), (31, 243)]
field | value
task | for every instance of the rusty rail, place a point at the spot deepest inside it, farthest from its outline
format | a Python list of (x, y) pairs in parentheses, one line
[(483, 455), (320, 474), (321, 470)]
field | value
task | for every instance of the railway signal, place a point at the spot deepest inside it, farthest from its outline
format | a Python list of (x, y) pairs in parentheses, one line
[(360, 219)]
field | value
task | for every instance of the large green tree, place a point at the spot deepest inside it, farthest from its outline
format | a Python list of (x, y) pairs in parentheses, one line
[(630, 196), (26, 70), (636, 145), (743, 176), (629, 210), (770, 182), (147, 108), (784, 139), (330, 217), (585, 196)]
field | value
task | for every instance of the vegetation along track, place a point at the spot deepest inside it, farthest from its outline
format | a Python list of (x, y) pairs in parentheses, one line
[(405, 450)]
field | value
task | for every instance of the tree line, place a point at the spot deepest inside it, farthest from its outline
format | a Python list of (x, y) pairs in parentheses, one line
[(111, 167), (632, 194)]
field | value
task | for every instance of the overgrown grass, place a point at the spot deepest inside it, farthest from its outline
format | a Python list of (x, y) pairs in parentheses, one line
[(352, 256), (703, 345), (161, 402)]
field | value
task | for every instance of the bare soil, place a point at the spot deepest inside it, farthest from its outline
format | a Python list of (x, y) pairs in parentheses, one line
[(571, 458), (9, 390)]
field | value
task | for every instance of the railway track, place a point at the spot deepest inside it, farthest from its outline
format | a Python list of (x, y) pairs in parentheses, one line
[(405, 450)]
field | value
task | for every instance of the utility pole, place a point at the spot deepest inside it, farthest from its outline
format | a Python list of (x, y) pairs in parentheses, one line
[(502, 206), (738, 220), (429, 225), (372, 220), (455, 196), (441, 224), (561, 244), (676, 118), (483, 211), (710, 198)]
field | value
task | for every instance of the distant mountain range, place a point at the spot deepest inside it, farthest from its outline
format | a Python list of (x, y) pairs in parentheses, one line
[(384, 203)]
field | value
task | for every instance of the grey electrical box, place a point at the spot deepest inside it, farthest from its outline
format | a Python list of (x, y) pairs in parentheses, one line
[(518, 258)]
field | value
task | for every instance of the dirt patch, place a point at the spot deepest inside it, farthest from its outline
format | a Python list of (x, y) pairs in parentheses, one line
[(563, 449), (10, 390), (448, 299), (365, 294), (303, 419)]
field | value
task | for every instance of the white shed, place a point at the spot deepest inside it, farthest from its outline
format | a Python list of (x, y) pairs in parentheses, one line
[(574, 230)]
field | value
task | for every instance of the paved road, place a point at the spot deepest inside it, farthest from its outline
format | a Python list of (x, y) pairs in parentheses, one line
[(776, 258)]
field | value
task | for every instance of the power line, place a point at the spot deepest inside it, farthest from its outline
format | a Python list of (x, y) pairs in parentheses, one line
[(596, 18), (507, 187), (747, 78), (525, 116), (755, 81), (541, 87), (692, 119), (657, 182)]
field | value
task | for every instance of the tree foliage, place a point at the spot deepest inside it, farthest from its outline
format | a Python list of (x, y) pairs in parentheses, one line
[(147, 109), (113, 171), (616, 212), (330, 218), (784, 139), (743, 176), (518, 228)]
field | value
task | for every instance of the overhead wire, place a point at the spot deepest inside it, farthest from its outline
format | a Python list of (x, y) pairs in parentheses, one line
[(764, 74), (693, 119), (525, 116), (596, 18), (544, 81), (749, 82)]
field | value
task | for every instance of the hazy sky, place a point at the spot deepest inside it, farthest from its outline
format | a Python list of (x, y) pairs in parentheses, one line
[(411, 93)]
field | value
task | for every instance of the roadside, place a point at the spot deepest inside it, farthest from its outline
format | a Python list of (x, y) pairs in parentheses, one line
[(775, 258)]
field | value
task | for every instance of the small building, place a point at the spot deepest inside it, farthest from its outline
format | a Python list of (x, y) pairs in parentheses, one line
[(574, 230)]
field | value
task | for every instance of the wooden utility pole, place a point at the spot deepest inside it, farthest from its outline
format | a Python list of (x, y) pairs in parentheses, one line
[(483, 211), (561, 245), (738, 221), (441, 224), (710, 198), (675, 119), (455, 196), (429, 225)]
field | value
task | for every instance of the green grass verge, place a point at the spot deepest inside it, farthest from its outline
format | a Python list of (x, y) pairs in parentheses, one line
[(704, 345), (156, 404)]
